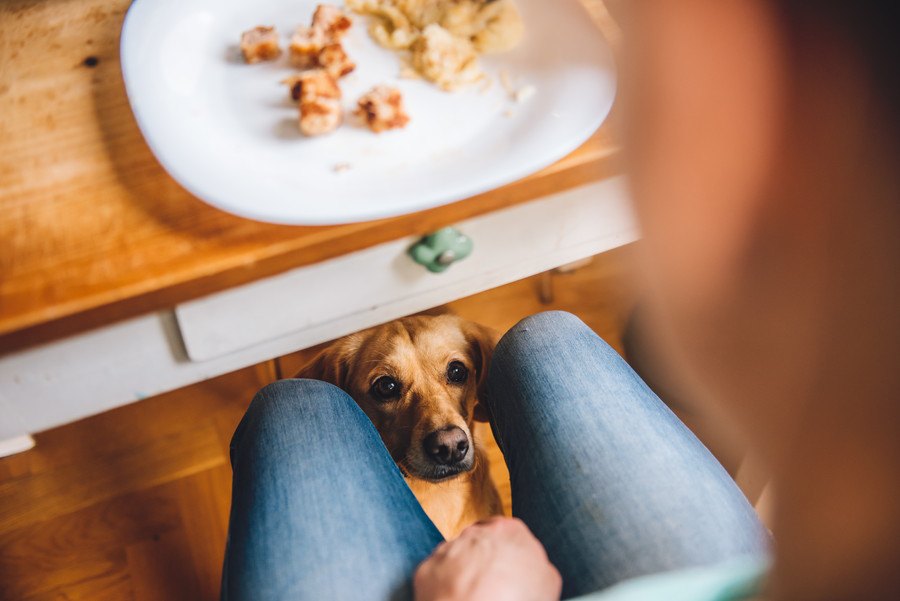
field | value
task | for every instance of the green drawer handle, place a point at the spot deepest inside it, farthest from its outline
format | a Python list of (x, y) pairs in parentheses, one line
[(440, 250)]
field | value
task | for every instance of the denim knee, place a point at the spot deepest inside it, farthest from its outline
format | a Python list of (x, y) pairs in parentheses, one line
[(294, 406), (301, 394), (547, 331)]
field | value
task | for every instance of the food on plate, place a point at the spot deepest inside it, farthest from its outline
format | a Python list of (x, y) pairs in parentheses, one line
[(320, 101), (445, 59), (314, 84), (319, 117), (497, 26), (331, 20), (333, 59), (382, 108), (260, 44), (306, 44), (317, 50), (294, 86), (490, 26), (319, 44), (475, 26)]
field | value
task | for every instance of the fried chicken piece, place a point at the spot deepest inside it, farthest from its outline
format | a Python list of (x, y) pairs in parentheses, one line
[(260, 44), (306, 44), (319, 45), (382, 108), (334, 59), (331, 20), (294, 86), (320, 101), (313, 84), (319, 117)]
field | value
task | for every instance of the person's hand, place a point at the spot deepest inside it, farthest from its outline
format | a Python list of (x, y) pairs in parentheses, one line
[(498, 559)]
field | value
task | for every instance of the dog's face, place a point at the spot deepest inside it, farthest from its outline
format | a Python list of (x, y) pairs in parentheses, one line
[(418, 380)]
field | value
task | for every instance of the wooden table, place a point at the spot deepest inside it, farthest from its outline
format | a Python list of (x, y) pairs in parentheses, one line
[(93, 231)]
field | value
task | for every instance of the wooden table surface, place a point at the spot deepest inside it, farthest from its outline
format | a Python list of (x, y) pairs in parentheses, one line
[(92, 230)]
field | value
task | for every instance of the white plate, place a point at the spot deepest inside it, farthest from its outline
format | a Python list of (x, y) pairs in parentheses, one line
[(227, 130)]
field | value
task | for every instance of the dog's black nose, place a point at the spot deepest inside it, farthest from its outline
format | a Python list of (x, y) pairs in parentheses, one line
[(447, 446)]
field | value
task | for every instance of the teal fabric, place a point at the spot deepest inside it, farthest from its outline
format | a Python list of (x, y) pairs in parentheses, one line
[(731, 581)]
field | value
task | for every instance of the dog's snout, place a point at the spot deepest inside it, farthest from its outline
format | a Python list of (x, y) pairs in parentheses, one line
[(447, 446)]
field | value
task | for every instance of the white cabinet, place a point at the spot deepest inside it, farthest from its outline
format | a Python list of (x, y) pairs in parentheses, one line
[(52, 384)]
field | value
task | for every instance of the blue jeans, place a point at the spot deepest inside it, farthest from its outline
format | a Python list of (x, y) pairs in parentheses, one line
[(608, 479)]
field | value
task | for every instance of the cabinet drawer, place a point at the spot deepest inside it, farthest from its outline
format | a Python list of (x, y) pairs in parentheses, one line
[(320, 302), (144, 356)]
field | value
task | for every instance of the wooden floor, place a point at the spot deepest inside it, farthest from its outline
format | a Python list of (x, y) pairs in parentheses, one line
[(133, 503)]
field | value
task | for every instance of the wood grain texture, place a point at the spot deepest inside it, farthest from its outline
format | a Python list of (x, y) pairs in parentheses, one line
[(92, 230), (156, 530), (58, 490)]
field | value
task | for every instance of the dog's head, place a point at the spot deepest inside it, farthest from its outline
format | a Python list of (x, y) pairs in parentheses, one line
[(418, 379)]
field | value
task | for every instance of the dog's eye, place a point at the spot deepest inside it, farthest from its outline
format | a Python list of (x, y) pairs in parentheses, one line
[(457, 372), (386, 388)]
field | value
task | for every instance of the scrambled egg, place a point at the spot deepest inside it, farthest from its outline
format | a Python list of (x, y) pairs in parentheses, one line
[(444, 37)]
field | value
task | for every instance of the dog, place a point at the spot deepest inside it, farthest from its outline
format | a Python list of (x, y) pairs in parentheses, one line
[(419, 379)]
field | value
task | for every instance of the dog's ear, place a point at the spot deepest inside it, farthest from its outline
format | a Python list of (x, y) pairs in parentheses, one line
[(333, 364), (482, 341)]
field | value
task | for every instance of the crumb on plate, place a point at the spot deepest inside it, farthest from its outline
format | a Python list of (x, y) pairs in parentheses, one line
[(525, 93), (507, 82)]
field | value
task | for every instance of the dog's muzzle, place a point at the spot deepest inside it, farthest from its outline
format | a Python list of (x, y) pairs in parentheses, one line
[(447, 446)]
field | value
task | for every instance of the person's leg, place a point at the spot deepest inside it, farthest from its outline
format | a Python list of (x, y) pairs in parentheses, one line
[(603, 473), (319, 509)]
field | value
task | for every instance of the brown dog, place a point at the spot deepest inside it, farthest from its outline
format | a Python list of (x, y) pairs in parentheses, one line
[(419, 379)]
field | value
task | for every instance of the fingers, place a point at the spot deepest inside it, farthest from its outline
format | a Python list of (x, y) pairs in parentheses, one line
[(497, 558), (441, 549), (500, 526), (481, 536), (512, 529), (427, 584), (498, 522), (422, 575)]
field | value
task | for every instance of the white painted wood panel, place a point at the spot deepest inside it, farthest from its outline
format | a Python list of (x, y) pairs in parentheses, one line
[(375, 279), (62, 381)]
